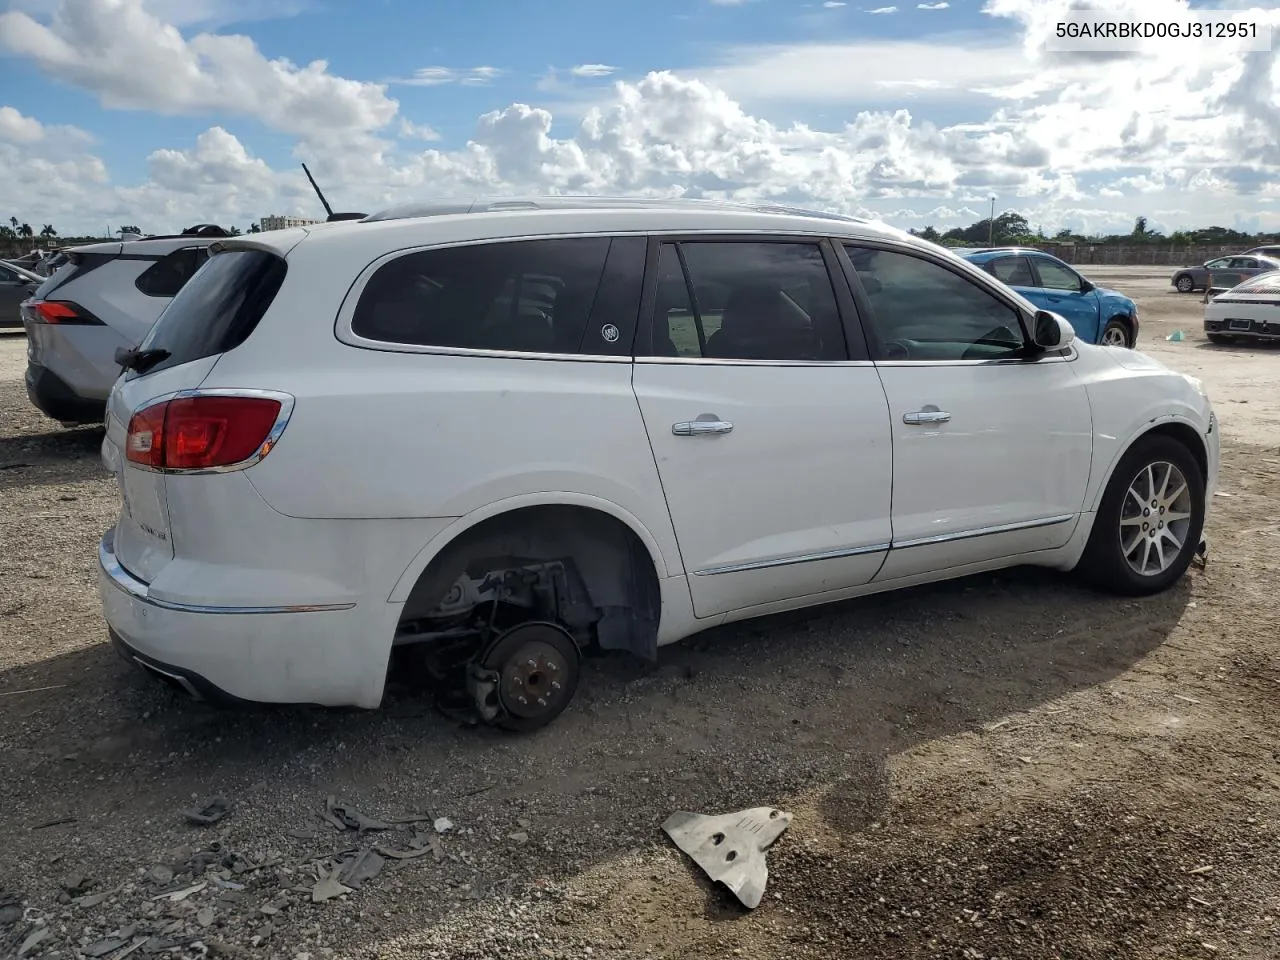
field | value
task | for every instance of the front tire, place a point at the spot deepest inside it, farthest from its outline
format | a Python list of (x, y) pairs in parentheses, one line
[(1115, 334), (1184, 284), (1148, 525)]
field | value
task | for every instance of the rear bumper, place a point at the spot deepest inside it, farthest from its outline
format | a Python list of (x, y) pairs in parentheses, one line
[(287, 654), (55, 398), (1263, 329)]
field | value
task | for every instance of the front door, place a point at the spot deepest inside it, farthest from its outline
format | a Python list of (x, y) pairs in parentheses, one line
[(1061, 290), (991, 451), (773, 447)]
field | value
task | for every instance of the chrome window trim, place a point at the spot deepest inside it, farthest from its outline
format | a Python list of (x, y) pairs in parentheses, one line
[(346, 311), (728, 362), (985, 531), (287, 402), (1067, 356), (792, 559), (131, 586)]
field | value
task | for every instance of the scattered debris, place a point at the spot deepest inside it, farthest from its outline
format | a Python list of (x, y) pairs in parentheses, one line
[(34, 940), (103, 947), (1207, 868), (10, 909), (14, 693), (175, 896), (365, 865), (731, 848), (345, 817), (205, 916), (1179, 696), (54, 823), (1176, 336), (209, 812), (160, 875), (328, 887), (418, 846), (519, 836), (94, 899), (301, 834), (443, 825)]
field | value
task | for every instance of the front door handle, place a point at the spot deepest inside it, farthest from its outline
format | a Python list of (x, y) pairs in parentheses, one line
[(922, 417), (705, 425)]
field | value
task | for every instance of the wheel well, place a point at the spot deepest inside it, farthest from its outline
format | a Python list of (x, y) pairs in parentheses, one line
[(1123, 318), (1189, 438), (605, 555)]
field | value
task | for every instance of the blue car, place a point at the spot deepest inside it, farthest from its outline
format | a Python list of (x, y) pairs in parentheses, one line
[(1098, 315)]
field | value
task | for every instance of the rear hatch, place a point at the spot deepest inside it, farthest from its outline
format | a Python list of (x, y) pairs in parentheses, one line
[(214, 312)]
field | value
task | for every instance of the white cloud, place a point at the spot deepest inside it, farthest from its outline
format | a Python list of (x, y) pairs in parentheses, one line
[(417, 131), (883, 10), (593, 70), (941, 5), (436, 76), (15, 128), (833, 4), (129, 59)]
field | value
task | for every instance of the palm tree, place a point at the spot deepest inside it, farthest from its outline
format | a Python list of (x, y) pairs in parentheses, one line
[(48, 231), (14, 222), (26, 231)]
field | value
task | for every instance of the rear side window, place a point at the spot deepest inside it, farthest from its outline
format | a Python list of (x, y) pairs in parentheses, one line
[(528, 296), (169, 274), (218, 309)]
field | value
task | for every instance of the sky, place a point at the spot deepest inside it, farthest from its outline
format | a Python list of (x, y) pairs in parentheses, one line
[(164, 113)]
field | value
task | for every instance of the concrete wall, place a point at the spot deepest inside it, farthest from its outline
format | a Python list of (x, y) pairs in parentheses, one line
[(1138, 254)]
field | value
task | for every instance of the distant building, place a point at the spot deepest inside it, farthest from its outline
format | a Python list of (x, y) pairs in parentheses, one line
[(284, 223)]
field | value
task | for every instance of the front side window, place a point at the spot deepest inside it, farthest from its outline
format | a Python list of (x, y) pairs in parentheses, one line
[(170, 273), (746, 300), (530, 296), (1054, 276), (1217, 264), (923, 311)]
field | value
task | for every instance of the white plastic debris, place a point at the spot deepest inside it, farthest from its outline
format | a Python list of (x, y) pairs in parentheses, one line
[(731, 847), (443, 825)]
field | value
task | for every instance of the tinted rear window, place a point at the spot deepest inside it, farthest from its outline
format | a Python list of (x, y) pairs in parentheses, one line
[(532, 296), (218, 308)]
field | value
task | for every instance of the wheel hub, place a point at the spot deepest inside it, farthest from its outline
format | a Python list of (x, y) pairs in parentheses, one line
[(530, 681)]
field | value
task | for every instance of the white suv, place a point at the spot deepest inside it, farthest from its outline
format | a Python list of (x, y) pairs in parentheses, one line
[(499, 435), (102, 298)]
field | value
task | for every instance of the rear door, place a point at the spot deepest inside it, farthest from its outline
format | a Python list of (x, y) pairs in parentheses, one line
[(14, 288), (212, 313), (771, 438)]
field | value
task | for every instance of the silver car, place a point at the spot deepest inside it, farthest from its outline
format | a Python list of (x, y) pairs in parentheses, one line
[(1222, 272)]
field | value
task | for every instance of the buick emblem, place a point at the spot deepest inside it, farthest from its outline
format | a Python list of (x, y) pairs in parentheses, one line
[(610, 333)]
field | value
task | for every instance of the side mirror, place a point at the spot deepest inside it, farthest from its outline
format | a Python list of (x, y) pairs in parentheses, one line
[(1051, 332), (124, 356), (1086, 286)]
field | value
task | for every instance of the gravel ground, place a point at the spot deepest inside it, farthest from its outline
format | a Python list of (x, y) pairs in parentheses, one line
[(1006, 766)]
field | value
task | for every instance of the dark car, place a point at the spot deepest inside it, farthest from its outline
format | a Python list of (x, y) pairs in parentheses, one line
[(16, 285), (1223, 272)]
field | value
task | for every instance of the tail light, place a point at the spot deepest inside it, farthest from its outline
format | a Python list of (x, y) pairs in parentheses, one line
[(205, 432), (62, 312)]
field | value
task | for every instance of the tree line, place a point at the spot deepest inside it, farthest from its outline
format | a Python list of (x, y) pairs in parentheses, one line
[(18, 230), (1013, 229)]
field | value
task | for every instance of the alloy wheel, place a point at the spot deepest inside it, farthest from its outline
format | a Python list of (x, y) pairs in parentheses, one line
[(1155, 518)]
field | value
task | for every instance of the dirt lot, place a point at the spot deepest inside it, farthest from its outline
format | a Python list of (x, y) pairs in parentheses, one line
[(1002, 767)]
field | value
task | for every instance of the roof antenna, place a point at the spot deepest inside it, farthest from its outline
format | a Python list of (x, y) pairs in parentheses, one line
[(328, 209)]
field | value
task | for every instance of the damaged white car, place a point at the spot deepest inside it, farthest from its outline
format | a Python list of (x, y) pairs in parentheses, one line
[(501, 435)]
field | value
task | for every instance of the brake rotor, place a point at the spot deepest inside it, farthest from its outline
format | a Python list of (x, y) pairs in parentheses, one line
[(537, 668)]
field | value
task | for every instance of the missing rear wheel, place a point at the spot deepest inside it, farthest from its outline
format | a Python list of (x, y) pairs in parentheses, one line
[(533, 672)]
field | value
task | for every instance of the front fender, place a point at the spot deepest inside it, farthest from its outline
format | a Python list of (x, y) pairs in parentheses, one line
[(1110, 449)]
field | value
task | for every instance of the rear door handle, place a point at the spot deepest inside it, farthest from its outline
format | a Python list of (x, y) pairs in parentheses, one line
[(922, 417), (705, 425)]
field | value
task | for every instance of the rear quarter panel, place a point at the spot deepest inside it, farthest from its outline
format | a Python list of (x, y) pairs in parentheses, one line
[(384, 434)]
